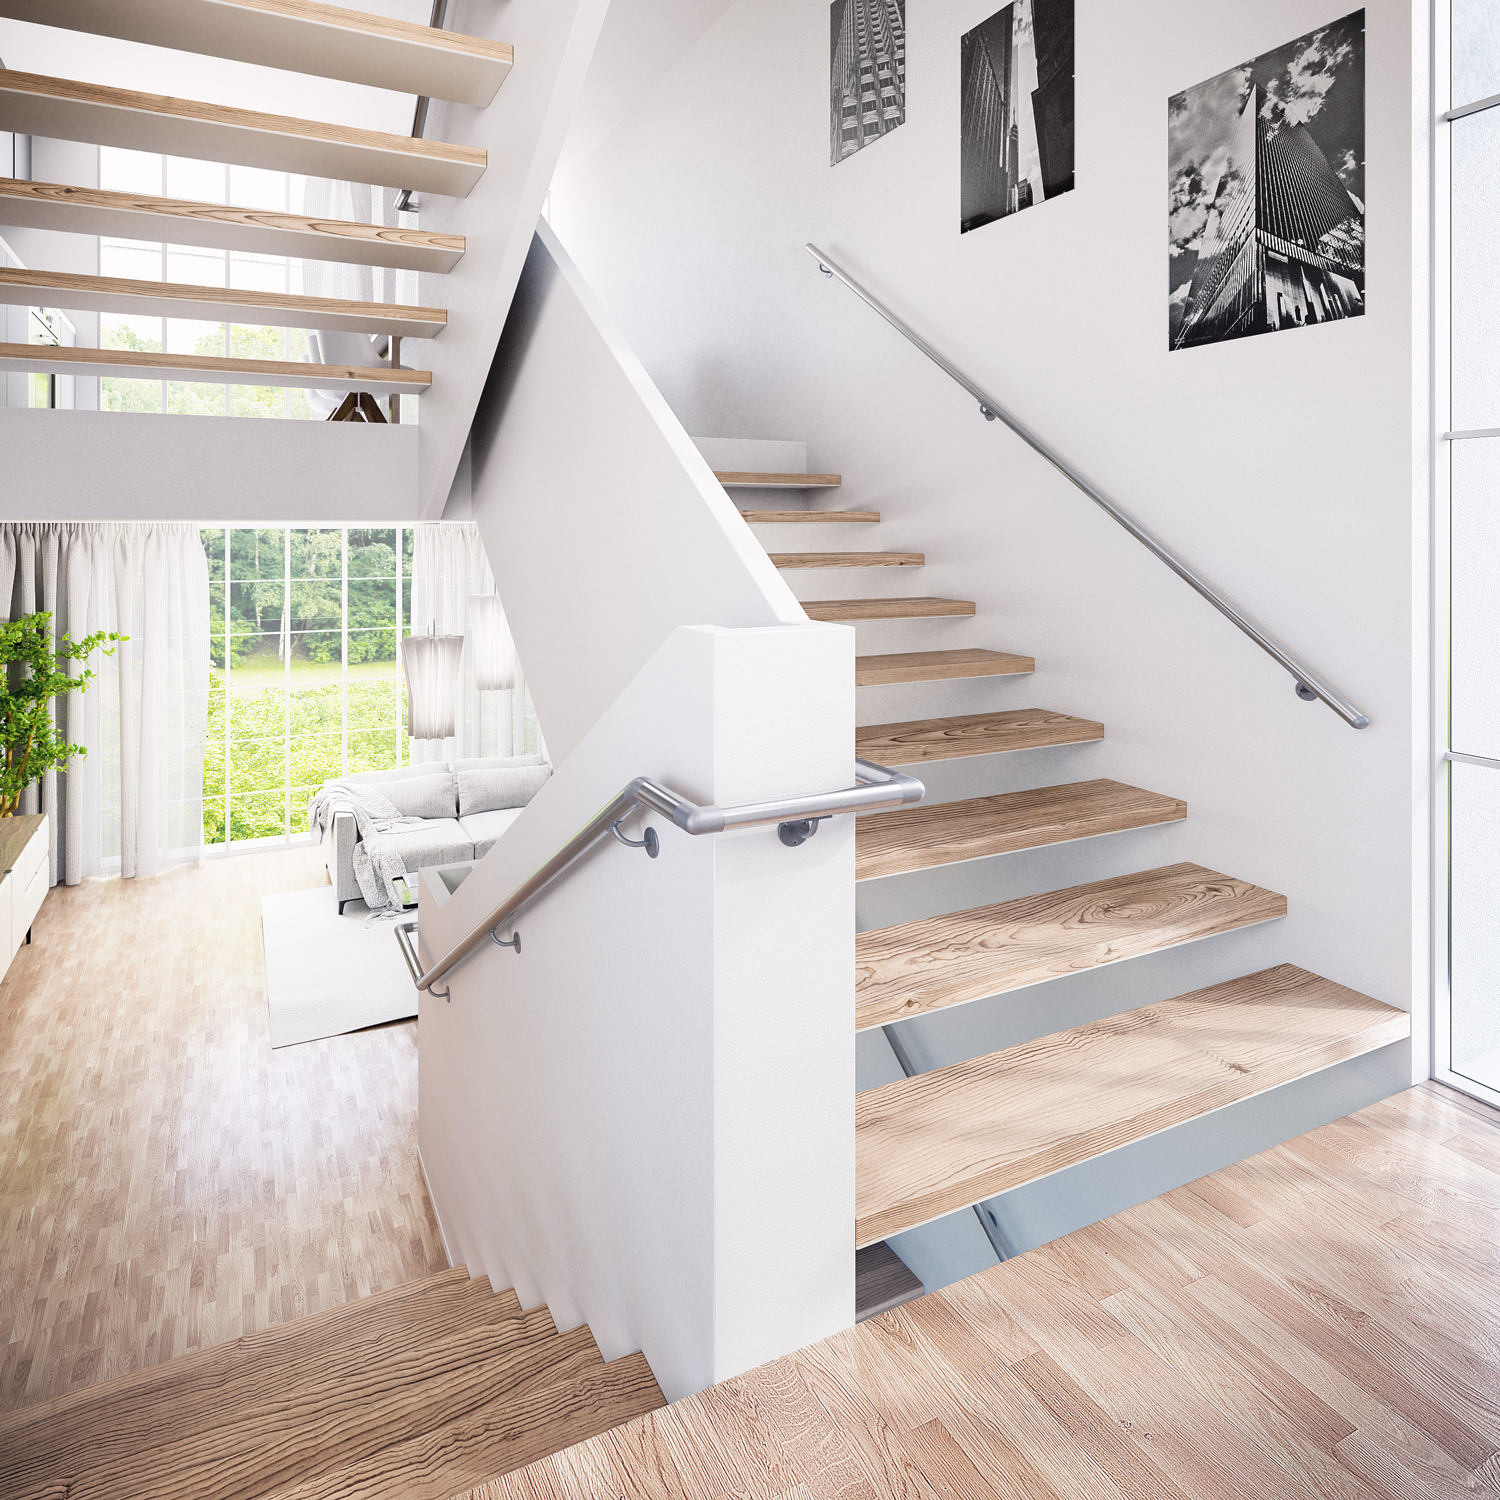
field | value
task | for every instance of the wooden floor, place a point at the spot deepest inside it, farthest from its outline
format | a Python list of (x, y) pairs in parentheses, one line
[(1321, 1320), (167, 1181)]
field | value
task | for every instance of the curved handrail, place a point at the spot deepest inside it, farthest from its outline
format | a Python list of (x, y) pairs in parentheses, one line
[(1310, 685), (875, 787)]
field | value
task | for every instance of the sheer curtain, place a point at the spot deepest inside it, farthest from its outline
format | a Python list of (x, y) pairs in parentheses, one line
[(448, 564), (137, 796)]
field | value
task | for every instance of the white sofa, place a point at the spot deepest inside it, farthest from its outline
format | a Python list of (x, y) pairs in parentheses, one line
[(457, 803)]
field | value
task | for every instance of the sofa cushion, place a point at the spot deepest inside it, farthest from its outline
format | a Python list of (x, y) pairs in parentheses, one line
[(490, 791), (498, 762), (485, 827), (439, 841), (405, 773), (424, 796)]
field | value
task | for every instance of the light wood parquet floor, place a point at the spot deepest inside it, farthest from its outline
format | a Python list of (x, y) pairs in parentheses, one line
[(167, 1181), (1322, 1320)]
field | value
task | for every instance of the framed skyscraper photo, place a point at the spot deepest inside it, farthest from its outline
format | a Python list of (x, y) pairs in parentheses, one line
[(1016, 124), (1266, 182), (867, 73)]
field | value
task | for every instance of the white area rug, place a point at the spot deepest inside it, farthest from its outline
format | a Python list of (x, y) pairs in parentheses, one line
[(327, 974)]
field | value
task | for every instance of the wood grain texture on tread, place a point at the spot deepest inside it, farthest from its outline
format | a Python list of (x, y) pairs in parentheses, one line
[(790, 560), (120, 1421), (839, 610), (291, 372), (756, 479), (819, 517), (344, 1415), (916, 838), (927, 1145), (582, 1398), (937, 666), (971, 734), (922, 966), (882, 1280), (75, 210)]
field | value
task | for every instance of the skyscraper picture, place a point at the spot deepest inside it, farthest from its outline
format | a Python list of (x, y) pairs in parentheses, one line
[(1016, 102), (867, 43), (1265, 208)]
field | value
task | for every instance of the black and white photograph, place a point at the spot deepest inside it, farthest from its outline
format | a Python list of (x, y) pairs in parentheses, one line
[(1016, 82), (867, 73), (1266, 207)]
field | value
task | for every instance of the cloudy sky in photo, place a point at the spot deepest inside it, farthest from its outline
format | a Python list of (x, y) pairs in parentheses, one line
[(1317, 81)]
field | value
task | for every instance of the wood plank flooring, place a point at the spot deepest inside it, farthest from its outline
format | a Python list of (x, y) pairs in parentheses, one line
[(915, 838), (920, 740), (926, 965), (927, 1145), (1320, 1321), (168, 1183)]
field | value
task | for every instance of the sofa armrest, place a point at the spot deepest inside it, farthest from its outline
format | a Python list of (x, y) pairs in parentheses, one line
[(338, 851)]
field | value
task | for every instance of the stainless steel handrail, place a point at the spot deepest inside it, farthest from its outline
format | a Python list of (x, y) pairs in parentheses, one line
[(875, 787), (1310, 685)]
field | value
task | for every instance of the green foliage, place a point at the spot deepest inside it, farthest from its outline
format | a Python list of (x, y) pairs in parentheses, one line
[(35, 674)]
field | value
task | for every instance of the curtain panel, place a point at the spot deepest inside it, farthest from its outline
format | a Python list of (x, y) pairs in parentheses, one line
[(136, 798), (448, 564)]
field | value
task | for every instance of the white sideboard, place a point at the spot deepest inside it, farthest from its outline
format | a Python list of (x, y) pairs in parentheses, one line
[(23, 884)]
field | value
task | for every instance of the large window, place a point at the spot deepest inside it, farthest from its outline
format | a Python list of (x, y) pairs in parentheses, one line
[(1468, 178)]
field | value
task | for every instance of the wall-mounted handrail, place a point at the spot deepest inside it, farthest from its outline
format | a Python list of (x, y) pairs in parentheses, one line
[(875, 787), (1310, 685)]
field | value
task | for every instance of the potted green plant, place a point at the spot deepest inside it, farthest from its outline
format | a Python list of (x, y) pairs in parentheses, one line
[(36, 673)]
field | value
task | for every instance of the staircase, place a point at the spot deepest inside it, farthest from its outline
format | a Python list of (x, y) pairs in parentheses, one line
[(934, 1142), (417, 1393)]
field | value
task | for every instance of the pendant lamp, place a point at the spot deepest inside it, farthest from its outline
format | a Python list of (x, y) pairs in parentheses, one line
[(431, 663), (494, 655)]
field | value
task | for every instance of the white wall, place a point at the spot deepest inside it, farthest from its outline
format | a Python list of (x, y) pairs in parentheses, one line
[(642, 1118), (139, 466)]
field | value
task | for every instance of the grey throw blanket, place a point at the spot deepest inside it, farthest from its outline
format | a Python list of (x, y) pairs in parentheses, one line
[(377, 866)]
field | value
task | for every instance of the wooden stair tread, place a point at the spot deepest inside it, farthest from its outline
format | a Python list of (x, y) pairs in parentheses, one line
[(346, 1413), (944, 1140), (792, 517), (917, 838), (937, 666), (301, 36), (121, 294), (836, 610), (847, 559), (180, 221), (100, 114), (581, 1398), (131, 364), (918, 967), (971, 734), (122, 1417), (762, 481), (882, 1280)]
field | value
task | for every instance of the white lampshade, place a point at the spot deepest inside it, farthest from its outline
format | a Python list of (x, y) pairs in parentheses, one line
[(494, 655), (431, 663)]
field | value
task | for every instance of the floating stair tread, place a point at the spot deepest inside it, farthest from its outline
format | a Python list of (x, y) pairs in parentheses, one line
[(100, 114), (759, 481), (300, 36), (132, 364), (944, 1140), (344, 1415), (927, 965), (917, 838), (882, 1280), (937, 666), (971, 734), (838, 610), (120, 294), (581, 1398), (128, 1416), (180, 221), (820, 517), (847, 559)]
